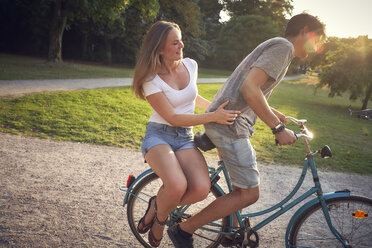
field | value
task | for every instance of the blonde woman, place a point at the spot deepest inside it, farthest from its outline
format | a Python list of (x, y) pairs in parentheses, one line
[(168, 82)]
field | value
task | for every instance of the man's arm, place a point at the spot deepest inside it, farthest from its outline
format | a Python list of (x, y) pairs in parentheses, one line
[(251, 91), (278, 114)]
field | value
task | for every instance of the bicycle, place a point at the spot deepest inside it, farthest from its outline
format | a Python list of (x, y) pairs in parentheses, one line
[(336, 219)]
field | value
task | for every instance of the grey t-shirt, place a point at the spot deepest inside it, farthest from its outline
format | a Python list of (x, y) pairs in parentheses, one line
[(274, 57)]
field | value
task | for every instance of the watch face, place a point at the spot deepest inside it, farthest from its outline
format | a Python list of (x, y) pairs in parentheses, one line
[(277, 126)]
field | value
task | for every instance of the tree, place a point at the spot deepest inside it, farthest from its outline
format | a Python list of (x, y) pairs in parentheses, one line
[(62, 13), (210, 16), (348, 67), (240, 36), (186, 13), (113, 30), (138, 19), (57, 27), (111, 20), (275, 9)]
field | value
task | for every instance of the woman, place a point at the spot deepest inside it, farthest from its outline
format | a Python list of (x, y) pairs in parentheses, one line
[(168, 82)]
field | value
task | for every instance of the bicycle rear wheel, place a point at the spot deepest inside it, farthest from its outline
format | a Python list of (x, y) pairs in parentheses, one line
[(149, 186), (351, 216)]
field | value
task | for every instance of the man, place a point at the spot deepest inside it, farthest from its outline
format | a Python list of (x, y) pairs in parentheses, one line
[(248, 89)]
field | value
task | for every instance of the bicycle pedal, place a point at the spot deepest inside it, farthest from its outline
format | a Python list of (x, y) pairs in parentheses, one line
[(247, 222)]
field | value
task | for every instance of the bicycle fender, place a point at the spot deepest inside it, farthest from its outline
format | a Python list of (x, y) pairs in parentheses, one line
[(308, 205), (129, 190)]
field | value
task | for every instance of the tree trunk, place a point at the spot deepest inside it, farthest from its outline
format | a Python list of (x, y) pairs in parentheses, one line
[(368, 96), (57, 27), (85, 46), (108, 59)]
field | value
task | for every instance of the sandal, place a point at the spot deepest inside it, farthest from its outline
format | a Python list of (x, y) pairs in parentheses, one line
[(152, 240), (147, 227)]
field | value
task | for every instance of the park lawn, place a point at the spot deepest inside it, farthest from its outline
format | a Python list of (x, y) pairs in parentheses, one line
[(115, 117), (13, 67)]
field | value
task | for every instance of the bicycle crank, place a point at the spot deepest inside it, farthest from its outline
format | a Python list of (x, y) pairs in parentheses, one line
[(250, 238)]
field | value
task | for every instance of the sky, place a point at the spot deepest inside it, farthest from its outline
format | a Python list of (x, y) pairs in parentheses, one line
[(343, 18)]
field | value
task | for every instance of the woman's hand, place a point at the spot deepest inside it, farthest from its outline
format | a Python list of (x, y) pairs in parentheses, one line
[(223, 116)]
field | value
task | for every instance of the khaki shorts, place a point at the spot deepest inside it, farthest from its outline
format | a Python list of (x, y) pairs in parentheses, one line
[(238, 156)]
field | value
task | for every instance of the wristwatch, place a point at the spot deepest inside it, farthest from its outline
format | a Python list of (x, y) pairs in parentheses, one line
[(278, 128)]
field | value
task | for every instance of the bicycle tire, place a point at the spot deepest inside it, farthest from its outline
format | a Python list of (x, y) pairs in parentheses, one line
[(311, 230), (147, 187)]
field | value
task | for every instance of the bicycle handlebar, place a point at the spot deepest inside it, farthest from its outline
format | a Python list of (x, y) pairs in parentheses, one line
[(305, 133), (298, 122)]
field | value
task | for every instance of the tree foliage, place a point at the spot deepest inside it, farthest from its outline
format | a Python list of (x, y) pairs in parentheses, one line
[(240, 36), (347, 67), (112, 30), (210, 15), (251, 22), (276, 10), (112, 21), (186, 14)]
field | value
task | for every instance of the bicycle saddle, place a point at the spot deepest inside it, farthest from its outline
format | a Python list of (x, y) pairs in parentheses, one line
[(203, 142)]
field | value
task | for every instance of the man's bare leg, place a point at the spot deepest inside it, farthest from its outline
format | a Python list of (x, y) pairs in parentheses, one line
[(238, 199)]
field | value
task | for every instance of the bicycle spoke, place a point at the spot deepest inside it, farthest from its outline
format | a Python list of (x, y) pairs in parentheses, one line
[(311, 229), (147, 187)]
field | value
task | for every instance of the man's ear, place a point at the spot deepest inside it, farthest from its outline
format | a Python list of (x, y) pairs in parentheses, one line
[(304, 30)]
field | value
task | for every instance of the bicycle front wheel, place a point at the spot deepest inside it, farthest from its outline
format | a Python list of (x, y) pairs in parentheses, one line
[(350, 216), (148, 187)]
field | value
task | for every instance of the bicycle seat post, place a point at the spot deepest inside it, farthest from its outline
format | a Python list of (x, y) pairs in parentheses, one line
[(219, 155)]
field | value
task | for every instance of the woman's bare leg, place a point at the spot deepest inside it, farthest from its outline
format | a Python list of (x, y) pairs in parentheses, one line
[(196, 172), (185, 180), (164, 163)]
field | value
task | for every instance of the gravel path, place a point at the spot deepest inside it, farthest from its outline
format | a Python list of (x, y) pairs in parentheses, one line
[(12, 88), (15, 88), (65, 194)]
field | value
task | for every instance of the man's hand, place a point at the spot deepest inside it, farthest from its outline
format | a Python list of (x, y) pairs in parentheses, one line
[(286, 137), (278, 114)]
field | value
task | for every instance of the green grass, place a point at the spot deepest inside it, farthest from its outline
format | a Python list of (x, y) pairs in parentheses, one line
[(115, 117), (213, 73), (13, 67), (104, 116), (328, 118)]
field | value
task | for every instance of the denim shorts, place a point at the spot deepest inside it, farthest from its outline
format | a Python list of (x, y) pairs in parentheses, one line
[(239, 157), (177, 138)]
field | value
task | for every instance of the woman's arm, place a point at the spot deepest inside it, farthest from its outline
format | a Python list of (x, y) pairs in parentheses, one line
[(201, 102), (161, 105)]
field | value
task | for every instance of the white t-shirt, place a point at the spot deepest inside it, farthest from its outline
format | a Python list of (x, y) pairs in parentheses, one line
[(183, 101)]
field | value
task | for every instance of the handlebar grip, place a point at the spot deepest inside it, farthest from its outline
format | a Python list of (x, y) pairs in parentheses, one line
[(277, 141)]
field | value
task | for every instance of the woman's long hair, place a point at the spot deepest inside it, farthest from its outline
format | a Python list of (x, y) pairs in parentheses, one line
[(149, 60)]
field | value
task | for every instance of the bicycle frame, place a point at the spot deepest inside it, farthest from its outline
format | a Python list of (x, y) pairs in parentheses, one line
[(282, 207), (317, 189)]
